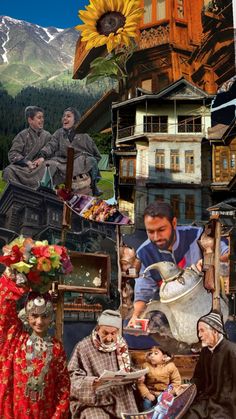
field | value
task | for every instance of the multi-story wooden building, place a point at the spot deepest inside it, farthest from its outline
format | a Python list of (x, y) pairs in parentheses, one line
[(178, 38), (185, 52), (161, 151), (223, 162)]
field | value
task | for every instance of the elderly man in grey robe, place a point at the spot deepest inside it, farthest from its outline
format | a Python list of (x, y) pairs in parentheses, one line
[(104, 349), (25, 150), (86, 156), (215, 372)]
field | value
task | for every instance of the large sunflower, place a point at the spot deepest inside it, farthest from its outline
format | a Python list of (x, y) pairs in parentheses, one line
[(110, 22)]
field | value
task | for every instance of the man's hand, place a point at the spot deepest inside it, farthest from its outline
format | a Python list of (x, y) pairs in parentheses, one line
[(198, 265), (30, 165), (96, 384), (139, 308), (132, 321)]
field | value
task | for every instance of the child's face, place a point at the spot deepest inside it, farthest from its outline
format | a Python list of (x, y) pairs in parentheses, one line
[(156, 357)]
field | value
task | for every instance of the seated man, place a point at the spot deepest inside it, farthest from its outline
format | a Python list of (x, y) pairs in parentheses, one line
[(86, 156), (215, 372), (103, 350), (25, 150)]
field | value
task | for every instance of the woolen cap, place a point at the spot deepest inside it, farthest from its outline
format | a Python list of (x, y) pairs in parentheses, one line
[(214, 320), (110, 318)]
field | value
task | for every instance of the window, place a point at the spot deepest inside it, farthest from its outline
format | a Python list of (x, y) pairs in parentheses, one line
[(189, 161), (174, 202), (34, 217), (224, 162), (187, 123), (174, 160), (180, 9), (154, 10), (189, 207), (232, 162), (147, 11), (55, 216), (160, 160), (161, 9), (147, 84), (155, 123), (127, 168)]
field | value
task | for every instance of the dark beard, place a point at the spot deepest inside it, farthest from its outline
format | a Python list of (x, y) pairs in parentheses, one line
[(167, 243)]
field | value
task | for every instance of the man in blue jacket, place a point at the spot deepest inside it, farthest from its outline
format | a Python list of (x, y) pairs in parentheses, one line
[(166, 242)]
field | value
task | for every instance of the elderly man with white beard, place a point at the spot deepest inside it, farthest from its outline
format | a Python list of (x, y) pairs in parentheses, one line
[(215, 372), (104, 349)]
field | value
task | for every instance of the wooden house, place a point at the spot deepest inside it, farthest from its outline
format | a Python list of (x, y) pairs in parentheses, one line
[(223, 141), (177, 39), (160, 152)]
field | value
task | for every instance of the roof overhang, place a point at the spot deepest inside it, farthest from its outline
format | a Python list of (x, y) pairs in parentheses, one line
[(98, 117)]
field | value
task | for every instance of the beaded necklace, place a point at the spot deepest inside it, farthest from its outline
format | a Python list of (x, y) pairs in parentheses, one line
[(37, 348)]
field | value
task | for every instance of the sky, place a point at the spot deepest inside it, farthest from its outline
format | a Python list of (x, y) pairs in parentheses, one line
[(58, 13)]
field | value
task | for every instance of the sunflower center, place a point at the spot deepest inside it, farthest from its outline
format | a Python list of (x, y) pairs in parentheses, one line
[(110, 22)]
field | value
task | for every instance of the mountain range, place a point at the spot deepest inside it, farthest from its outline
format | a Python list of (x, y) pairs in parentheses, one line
[(33, 55)]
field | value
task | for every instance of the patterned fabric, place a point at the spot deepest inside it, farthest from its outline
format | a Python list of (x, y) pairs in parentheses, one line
[(14, 402), (158, 378), (86, 364), (119, 346), (86, 154), (26, 146)]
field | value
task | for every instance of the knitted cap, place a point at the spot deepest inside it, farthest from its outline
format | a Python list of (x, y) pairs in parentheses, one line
[(110, 318), (214, 320)]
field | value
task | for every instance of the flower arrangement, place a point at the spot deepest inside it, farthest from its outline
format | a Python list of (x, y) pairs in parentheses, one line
[(35, 263), (114, 24)]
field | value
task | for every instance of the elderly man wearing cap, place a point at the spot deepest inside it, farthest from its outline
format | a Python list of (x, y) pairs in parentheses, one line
[(86, 156), (215, 372), (25, 150), (104, 349)]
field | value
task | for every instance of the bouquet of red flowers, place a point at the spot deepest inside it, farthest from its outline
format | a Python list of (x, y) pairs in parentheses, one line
[(35, 263)]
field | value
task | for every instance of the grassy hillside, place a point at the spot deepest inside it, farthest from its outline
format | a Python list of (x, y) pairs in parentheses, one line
[(105, 184)]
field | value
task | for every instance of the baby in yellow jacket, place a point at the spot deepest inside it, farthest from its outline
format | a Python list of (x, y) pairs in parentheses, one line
[(162, 372)]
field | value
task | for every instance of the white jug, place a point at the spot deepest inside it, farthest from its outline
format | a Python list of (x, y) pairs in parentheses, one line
[(183, 300)]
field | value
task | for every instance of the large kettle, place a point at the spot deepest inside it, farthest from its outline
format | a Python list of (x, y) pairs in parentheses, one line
[(183, 300)]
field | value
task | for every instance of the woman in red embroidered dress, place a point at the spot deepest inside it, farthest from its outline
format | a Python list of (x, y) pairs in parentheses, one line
[(34, 381)]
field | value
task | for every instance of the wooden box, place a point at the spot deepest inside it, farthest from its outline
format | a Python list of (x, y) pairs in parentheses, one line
[(91, 273)]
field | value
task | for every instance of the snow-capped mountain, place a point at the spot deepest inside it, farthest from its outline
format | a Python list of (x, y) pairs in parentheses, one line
[(30, 53)]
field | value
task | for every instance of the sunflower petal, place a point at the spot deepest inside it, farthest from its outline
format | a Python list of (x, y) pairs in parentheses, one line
[(129, 6)]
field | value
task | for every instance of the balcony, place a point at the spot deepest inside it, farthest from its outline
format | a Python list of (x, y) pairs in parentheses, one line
[(135, 131), (151, 37)]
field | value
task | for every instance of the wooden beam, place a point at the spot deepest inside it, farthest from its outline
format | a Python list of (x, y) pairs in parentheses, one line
[(66, 224), (216, 293)]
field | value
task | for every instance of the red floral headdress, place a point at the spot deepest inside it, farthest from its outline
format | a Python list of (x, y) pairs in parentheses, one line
[(35, 263)]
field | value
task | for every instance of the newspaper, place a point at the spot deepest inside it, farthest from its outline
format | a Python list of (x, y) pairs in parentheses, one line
[(118, 378)]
